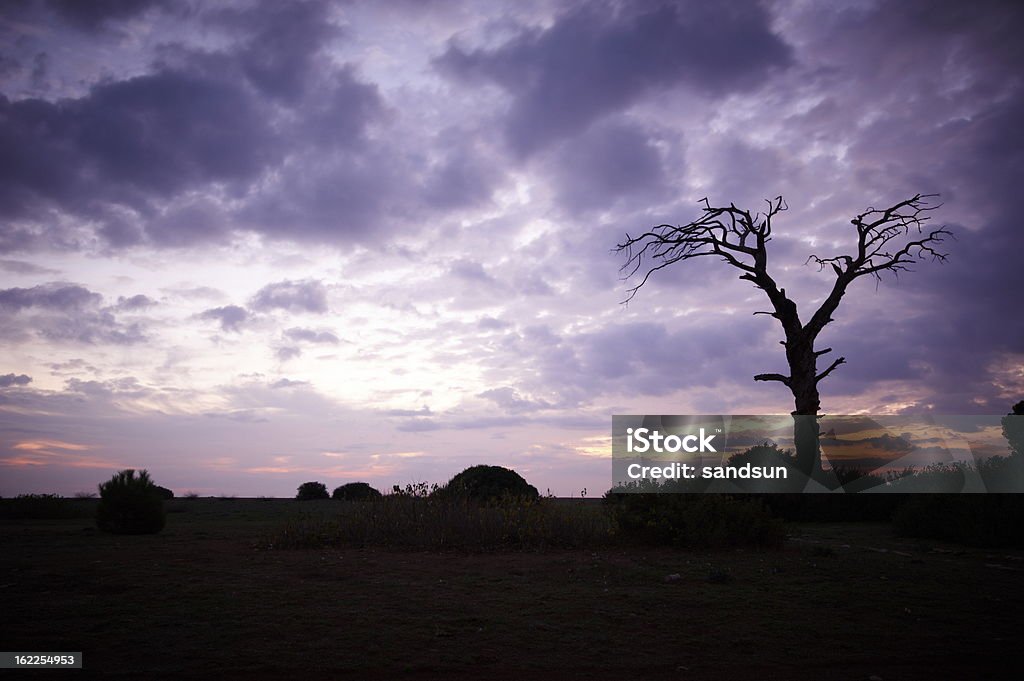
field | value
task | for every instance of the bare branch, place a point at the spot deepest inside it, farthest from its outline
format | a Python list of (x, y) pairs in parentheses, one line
[(826, 372), (773, 377), (878, 233), (728, 232)]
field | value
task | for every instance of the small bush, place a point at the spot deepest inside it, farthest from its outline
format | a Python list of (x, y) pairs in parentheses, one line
[(489, 484), (356, 491), (130, 504), (308, 491)]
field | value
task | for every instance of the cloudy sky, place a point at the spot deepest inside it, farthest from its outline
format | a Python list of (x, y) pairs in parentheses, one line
[(246, 245)]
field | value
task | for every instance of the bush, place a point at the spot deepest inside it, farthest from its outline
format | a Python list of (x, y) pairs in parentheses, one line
[(308, 491), (694, 520), (489, 484), (164, 493), (130, 504), (356, 491)]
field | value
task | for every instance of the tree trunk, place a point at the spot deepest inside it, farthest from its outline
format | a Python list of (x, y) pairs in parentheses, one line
[(804, 385)]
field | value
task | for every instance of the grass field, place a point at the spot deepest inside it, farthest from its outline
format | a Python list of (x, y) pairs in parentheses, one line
[(206, 597)]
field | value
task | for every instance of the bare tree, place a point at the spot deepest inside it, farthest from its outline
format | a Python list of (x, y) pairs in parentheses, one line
[(888, 240)]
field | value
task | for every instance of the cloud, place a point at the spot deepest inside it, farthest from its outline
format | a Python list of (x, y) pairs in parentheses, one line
[(7, 380), (295, 296), (96, 16), (311, 336), (63, 313), (22, 267), (599, 58), (607, 163), (136, 302), (230, 317), (54, 296)]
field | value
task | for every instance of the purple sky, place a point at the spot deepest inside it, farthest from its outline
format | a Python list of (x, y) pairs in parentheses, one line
[(246, 245)]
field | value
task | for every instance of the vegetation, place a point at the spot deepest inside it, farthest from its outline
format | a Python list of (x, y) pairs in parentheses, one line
[(164, 493), (309, 491), (208, 589), (1013, 429), (356, 491), (694, 521), (130, 504), (45, 507), (443, 522), (990, 520), (489, 484)]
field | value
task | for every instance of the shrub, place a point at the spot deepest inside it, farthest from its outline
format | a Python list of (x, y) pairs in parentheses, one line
[(488, 484), (765, 454), (356, 491), (694, 520), (130, 504), (309, 491), (416, 490), (164, 493)]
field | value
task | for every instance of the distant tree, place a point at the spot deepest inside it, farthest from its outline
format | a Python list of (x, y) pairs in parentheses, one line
[(489, 483), (308, 491), (356, 491), (764, 454), (130, 504), (888, 240), (1013, 429)]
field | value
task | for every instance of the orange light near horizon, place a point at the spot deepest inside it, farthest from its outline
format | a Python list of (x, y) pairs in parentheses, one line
[(43, 445)]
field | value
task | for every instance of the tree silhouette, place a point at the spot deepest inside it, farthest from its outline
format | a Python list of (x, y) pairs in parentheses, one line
[(1013, 429), (888, 240)]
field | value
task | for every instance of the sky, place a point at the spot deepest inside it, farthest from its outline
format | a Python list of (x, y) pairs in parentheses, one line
[(244, 245)]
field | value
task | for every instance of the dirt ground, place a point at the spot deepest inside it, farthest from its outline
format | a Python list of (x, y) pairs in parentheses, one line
[(205, 598)]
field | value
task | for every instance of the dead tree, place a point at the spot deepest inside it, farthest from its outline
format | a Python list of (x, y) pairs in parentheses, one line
[(888, 240)]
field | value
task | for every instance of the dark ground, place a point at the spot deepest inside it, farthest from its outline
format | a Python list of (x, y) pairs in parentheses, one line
[(842, 601)]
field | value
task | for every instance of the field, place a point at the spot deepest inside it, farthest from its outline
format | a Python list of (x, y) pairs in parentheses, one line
[(207, 597)]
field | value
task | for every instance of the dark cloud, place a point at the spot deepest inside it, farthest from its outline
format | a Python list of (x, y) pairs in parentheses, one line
[(600, 58), (282, 42), (64, 313), (55, 296), (296, 296), (169, 158), (607, 163), (98, 14), (128, 144), (7, 380), (230, 317), (464, 176)]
